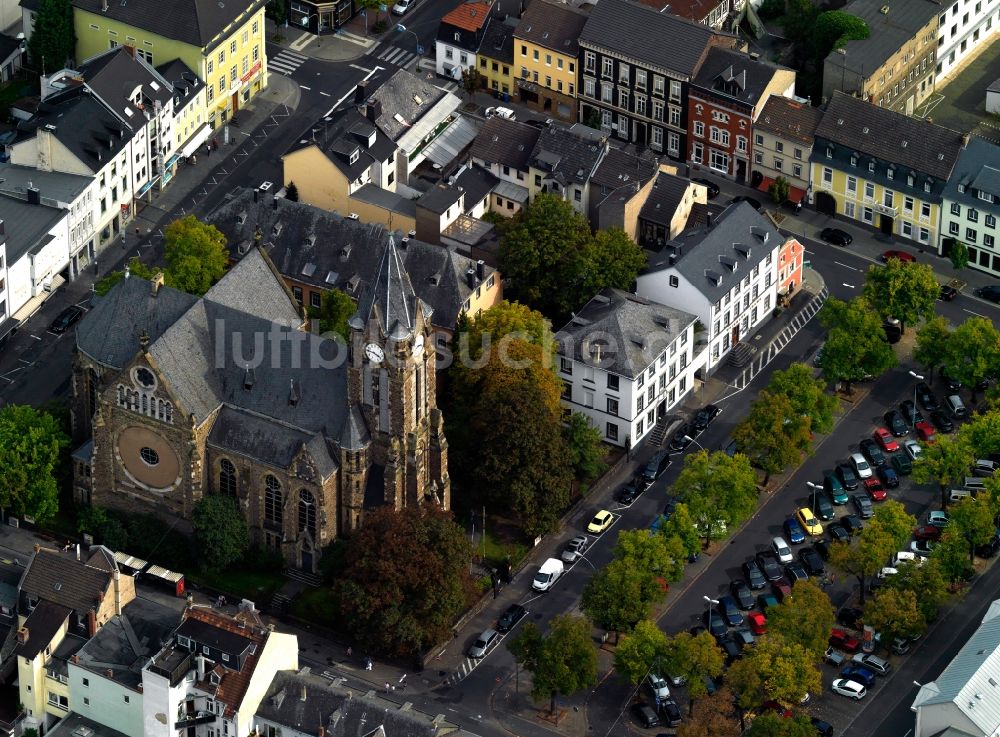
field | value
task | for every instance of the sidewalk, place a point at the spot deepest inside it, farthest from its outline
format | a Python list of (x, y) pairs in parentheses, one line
[(346, 44)]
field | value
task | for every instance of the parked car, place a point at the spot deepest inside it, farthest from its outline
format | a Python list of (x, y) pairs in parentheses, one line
[(938, 519), (925, 432), (793, 531), (902, 464), (510, 617), (548, 573), (952, 383), (871, 451), (741, 593), (850, 689), (730, 611), (755, 204), (863, 505), (766, 601), (913, 449), (744, 637), (955, 405), (947, 293), (807, 520), (844, 641), (781, 589), (839, 532), (875, 490), (703, 418), (812, 562), (629, 493), (885, 440), (715, 623), (888, 476), (575, 549), (894, 421), (906, 258), (941, 421), (859, 674), (836, 236), (483, 643), (795, 572), (822, 547), (729, 648), (671, 713), (645, 716), (500, 112), (601, 521), (926, 398), (402, 6), (656, 466), (657, 686), (930, 533), (823, 729), (990, 548), (834, 488), (922, 548), (985, 468), (66, 319), (757, 622), (911, 415), (990, 293), (681, 438), (712, 187), (781, 550), (847, 476), (822, 507), (754, 575), (768, 565), (873, 663), (861, 468), (852, 523)]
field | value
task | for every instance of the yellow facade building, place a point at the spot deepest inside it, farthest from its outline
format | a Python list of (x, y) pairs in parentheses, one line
[(546, 46), (495, 59), (882, 168), (223, 43)]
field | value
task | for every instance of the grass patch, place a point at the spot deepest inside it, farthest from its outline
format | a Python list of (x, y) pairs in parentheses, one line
[(503, 542), (258, 586), (315, 605)]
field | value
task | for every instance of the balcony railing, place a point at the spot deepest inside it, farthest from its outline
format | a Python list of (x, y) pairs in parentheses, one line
[(194, 719)]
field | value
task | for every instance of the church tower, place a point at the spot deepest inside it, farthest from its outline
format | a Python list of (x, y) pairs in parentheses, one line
[(391, 380)]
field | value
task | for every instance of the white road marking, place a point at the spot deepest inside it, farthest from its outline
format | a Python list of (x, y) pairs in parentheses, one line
[(325, 94), (360, 69), (845, 266), (350, 92), (973, 313), (849, 286), (302, 86), (301, 42)]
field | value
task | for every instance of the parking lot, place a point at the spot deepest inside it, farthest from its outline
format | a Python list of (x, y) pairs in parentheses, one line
[(961, 103)]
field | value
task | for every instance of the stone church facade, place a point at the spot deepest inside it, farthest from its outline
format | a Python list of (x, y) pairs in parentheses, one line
[(176, 397)]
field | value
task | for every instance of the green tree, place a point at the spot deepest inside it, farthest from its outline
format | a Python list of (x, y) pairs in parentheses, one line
[(31, 447), (974, 351), (335, 309), (772, 724), (292, 192), (472, 81), (808, 395), (405, 579), (776, 669), (620, 595), (561, 663), (642, 650), (609, 259), (135, 268), (972, 520), (982, 432), (944, 463), (717, 488), (220, 532), (907, 292), (952, 555), (650, 553), (895, 613), (693, 658), (959, 255), (711, 716), (682, 526), (196, 255), (277, 10), (927, 582), (803, 618), (778, 190), (799, 19), (506, 321), (583, 443), (53, 38), (867, 553), (855, 346), (774, 434), (932, 348), (833, 29), (105, 528)]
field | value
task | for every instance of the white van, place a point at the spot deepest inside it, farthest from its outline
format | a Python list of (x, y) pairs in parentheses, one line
[(957, 495), (955, 405), (974, 484), (500, 112), (985, 467), (548, 574)]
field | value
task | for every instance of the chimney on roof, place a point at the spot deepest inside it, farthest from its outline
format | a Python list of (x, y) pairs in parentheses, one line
[(965, 140), (708, 220), (470, 278), (155, 283), (293, 393), (322, 731), (109, 673), (22, 635), (360, 92), (104, 6), (256, 194), (117, 575), (34, 195), (373, 110), (130, 50), (480, 269), (200, 661)]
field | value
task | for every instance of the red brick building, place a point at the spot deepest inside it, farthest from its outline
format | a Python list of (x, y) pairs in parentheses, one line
[(790, 261)]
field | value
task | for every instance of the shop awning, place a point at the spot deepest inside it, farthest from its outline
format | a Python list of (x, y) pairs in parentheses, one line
[(147, 186), (199, 137), (794, 193), (32, 305), (452, 141), (172, 160)]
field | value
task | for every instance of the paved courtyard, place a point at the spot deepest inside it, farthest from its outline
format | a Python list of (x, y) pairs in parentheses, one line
[(961, 103)]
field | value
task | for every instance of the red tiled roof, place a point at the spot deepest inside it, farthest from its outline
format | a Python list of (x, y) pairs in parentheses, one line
[(233, 684), (469, 16)]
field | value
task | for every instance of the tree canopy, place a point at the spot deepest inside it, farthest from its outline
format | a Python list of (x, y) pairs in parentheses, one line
[(807, 395), (855, 346), (693, 657), (335, 308), (973, 520), (642, 650), (196, 255), (804, 618), (135, 268), (53, 37), (682, 526), (833, 29), (905, 291), (220, 532), (711, 716), (886, 532), (772, 724), (927, 582), (717, 488), (894, 613), (405, 579), (556, 264), (561, 663), (774, 434), (945, 463), (775, 669), (932, 349), (973, 351), (584, 445), (31, 444), (506, 321)]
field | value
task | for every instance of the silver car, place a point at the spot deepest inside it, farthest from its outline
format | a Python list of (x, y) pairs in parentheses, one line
[(482, 644), (575, 549)]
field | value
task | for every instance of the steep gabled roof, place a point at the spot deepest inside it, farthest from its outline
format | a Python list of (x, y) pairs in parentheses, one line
[(552, 26), (505, 142), (62, 579), (789, 118), (735, 74), (390, 298), (469, 16)]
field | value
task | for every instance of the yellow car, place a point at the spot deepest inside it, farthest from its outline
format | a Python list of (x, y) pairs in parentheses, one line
[(809, 522), (602, 521)]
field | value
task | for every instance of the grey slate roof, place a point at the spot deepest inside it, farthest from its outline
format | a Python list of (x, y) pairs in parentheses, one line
[(620, 332), (968, 679), (498, 40), (661, 40), (74, 724), (27, 226), (505, 142), (978, 169), (42, 624), (888, 32), (551, 26), (350, 133), (664, 198), (439, 198), (389, 297), (355, 435), (477, 183), (405, 95), (341, 253), (274, 443), (734, 74), (56, 185), (114, 76), (64, 580), (195, 22), (619, 167), (789, 119), (185, 84), (569, 155), (110, 332), (383, 198), (715, 259), (910, 142)]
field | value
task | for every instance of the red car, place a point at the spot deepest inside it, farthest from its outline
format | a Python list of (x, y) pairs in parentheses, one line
[(925, 431), (758, 623), (927, 532), (875, 489), (903, 256), (885, 440), (843, 641), (781, 589)]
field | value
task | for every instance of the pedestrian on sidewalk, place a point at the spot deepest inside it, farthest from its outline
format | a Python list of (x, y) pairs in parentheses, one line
[(350, 651), (388, 687)]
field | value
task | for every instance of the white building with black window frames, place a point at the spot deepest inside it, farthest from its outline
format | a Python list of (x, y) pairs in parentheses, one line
[(971, 206), (635, 67), (625, 363)]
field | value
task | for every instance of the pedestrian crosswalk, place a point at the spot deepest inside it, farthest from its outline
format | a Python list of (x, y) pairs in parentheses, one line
[(394, 55), (286, 62)]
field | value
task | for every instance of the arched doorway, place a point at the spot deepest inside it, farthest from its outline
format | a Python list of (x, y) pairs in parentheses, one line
[(826, 204)]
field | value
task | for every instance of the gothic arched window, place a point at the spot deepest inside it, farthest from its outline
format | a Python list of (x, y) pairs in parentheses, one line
[(272, 500), (227, 478), (307, 512)]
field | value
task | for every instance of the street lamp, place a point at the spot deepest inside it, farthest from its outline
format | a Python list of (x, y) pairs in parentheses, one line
[(918, 377), (692, 440), (815, 488), (708, 609)]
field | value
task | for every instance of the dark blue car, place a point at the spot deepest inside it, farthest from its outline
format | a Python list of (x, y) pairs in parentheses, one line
[(858, 674), (794, 531)]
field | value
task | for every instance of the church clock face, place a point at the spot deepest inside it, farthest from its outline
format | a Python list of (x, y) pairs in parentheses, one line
[(418, 346), (374, 353)]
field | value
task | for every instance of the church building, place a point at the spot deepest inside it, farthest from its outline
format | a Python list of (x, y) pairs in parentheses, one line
[(176, 397)]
